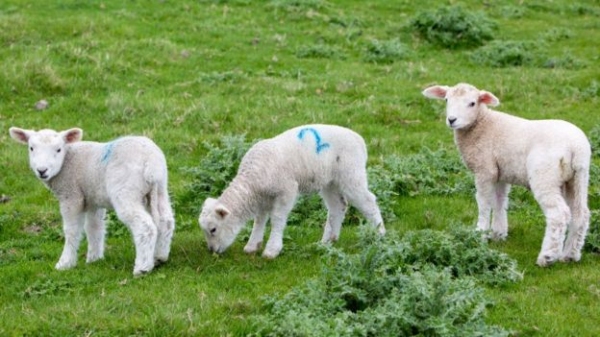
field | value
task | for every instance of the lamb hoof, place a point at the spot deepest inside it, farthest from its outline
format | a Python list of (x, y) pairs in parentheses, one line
[(252, 248), (142, 269), (140, 273), (545, 260), (159, 261), (270, 254), (572, 257), (497, 236), (91, 259), (329, 239), (64, 265)]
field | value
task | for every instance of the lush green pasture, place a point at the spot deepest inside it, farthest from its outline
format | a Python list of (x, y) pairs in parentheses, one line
[(188, 73)]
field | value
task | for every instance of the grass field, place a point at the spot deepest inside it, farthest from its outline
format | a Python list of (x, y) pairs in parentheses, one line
[(188, 73)]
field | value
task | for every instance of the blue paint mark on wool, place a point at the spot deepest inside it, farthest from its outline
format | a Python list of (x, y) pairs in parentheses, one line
[(107, 151), (320, 145)]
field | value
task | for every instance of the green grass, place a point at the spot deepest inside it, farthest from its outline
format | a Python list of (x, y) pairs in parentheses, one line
[(190, 72)]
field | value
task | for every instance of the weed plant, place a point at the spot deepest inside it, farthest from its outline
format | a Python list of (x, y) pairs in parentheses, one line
[(594, 137), (521, 53), (427, 283), (385, 51), (592, 241), (454, 27), (429, 172), (507, 54)]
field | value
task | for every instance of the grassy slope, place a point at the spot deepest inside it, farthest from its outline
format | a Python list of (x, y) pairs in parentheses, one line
[(192, 71)]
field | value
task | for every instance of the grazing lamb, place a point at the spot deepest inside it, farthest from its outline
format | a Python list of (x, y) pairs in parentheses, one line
[(550, 157), (327, 159), (128, 175)]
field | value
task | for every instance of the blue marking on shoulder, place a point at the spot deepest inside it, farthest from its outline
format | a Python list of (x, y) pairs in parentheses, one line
[(320, 145), (108, 147)]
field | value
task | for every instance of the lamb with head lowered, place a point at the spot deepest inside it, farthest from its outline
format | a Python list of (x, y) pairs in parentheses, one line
[(327, 159), (550, 157), (128, 174)]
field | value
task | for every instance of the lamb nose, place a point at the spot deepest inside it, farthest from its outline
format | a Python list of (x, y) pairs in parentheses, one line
[(451, 120), (42, 171)]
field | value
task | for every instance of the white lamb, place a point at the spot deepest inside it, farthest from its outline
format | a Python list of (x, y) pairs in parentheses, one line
[(327, 159), (550, 157), (128, 175)]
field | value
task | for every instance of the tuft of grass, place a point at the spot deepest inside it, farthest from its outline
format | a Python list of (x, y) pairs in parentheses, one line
[(387, 51), (517, 53), (320, 50), (557, 34), (454, 27), (38, 77), (586, 92), (567, 61), (46, 287), (507, 54)]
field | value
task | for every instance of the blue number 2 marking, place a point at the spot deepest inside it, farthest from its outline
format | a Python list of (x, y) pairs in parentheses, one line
[(320, 145)]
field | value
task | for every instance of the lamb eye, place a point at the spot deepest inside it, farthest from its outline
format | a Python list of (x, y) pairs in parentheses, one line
[(472, 104), (31, 148), (213, 230), (58, 151)]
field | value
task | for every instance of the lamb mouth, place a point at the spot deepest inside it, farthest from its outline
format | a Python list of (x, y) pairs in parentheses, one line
[(216, 250)]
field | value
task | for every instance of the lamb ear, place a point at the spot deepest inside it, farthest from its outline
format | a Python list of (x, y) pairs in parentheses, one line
[(72, 135), (222, 212), (436, 92), (20, 135), (488, 98)]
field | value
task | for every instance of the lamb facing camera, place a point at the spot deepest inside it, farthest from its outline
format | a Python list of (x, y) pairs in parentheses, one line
[(327, 159), (128, 175), (550, 157)]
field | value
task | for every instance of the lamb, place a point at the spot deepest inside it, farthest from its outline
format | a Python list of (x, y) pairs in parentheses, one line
[(327, 159), (550, 157), (128, 174)]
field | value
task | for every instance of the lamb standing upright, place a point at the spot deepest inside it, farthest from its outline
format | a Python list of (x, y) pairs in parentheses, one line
[(327, 159), (550, 157), (128, 174)]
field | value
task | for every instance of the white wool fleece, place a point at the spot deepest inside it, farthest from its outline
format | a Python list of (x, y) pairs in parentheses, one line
[(325, 159), (550, 157), (128, 175)]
